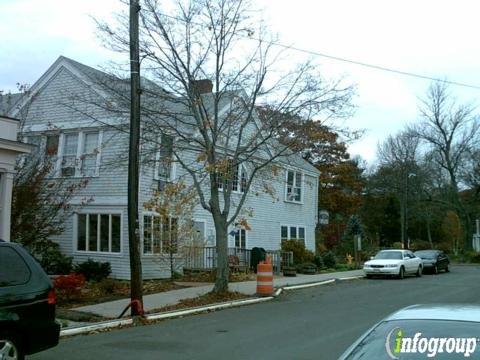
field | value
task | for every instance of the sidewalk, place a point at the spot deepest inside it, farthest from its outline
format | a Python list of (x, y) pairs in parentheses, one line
[(113, 309)]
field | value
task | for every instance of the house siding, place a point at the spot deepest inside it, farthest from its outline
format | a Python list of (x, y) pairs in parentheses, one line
[(108, 192)]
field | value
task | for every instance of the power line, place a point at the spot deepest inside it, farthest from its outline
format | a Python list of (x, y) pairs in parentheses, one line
[(350, 61), (372, 66)]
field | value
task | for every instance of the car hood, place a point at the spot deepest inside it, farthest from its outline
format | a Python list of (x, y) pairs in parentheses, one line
[(383, 262)]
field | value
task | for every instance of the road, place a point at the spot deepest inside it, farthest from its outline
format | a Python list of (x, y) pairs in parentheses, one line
[(314, 323)]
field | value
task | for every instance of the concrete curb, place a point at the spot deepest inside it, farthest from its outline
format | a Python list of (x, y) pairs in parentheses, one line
[(96, 326), (303, 286), (351, 278), (174, 314), (226, 305)]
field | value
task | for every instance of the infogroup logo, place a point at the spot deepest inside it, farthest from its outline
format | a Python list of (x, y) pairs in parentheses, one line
[(397, 344)]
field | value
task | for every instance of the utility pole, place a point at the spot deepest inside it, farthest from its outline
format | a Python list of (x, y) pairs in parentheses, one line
[(136, 283)]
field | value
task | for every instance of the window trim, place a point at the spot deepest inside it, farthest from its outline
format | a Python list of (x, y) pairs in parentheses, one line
[(173, 164), (242, 170), (246, 238), (288, 226), (91, 252), (153, 214), (57, 168), (302, 187)]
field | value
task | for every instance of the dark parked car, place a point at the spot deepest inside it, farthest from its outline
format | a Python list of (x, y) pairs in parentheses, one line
[(433, 260), (27, 305)]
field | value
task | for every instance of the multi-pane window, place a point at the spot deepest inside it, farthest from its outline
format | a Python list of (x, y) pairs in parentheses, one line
[(292, 233), (69, 155), (98, 232), (294, 186), (160, 235), (165, 158), (233, 175), (89, 154), (241, 239)]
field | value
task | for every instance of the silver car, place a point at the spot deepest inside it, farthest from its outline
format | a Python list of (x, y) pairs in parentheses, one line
[(442, 331)]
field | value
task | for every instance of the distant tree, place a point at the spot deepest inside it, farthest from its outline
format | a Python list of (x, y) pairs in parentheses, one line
[(451, 133)]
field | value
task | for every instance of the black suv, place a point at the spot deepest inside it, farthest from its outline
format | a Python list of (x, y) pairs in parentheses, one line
[(27, 305)]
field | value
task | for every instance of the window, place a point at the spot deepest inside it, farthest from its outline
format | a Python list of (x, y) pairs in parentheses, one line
[(241, 239), (69, 156), (234, 175), (89, 154), (292, 233), (165, 158), (99, 232), (294, 186), (51, 149), (159, 236), (14, 270)]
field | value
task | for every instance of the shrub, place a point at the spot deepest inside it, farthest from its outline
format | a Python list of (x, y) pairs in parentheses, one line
[(108, 286), (321, 248), (69, 286), (473, 257), (94, 270), (329, 259), (397, 245), (300, 254), (51, 259), (306, 268), (296, 247), (319, 261), (446, 247), (420, 245)]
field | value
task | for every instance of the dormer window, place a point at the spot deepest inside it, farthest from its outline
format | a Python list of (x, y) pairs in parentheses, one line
[(294, 186)]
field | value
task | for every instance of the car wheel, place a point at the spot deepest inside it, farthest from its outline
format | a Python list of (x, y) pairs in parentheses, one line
[(435, 269), (10, 348), (369, 276), (401, 273), (447, 269), (419, 271)]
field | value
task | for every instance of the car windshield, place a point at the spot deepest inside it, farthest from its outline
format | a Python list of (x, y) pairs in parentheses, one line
[(419, 339), (426, 254), (389, 255)]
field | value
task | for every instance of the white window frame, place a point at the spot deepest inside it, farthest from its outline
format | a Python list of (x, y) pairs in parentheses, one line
[(204, 227), (80, 145), (289, 235), (238, 190), (239, 229), (152, 215), (87, 244), (302, 188), (173, 165)]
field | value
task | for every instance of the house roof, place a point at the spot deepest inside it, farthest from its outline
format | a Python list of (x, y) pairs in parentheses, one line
[(109, 86)]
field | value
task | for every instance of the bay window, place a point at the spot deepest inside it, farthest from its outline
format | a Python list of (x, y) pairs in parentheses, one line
[(99, 232)]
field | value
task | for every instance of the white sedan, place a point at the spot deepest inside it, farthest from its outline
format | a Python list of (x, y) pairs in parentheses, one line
[(394, 262)]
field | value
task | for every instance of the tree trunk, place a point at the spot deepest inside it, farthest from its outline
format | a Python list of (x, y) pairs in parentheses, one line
[(221, 282), (429, 231), (402, 224)]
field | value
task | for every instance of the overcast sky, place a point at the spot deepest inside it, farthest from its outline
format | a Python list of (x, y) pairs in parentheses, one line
[(434, 38)]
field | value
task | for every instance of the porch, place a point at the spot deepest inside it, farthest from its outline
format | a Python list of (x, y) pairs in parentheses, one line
[(239, 259)]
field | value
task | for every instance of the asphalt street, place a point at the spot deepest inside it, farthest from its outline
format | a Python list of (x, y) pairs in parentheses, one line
[(314, 323)]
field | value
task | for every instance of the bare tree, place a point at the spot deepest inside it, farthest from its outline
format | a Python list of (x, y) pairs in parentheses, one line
[(211, 68), (399, 154), (450, 132)]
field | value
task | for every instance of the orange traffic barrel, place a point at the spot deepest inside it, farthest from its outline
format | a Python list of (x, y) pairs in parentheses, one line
[(264, 279)]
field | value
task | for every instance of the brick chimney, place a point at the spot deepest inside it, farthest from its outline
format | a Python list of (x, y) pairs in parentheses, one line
[(203, 86)]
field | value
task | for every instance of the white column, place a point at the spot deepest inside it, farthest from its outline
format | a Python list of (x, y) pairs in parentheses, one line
[(6, 186)]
